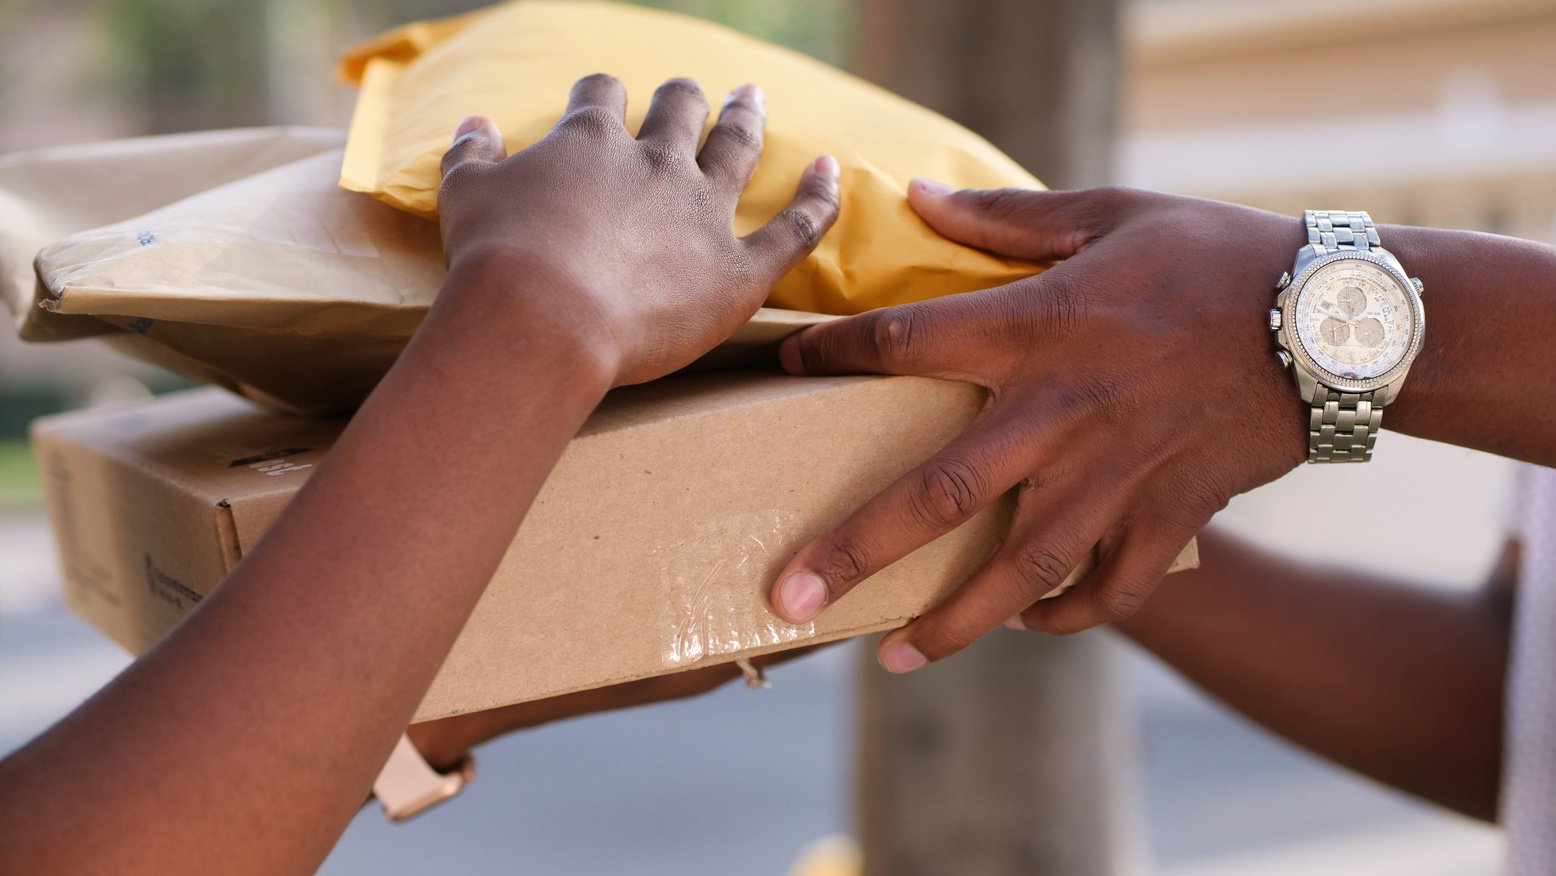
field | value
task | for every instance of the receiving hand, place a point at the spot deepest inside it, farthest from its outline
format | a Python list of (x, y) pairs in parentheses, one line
[(1132, 391), (627, 245)]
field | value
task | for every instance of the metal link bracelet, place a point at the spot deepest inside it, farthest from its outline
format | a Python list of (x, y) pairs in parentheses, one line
[(1343, 426)]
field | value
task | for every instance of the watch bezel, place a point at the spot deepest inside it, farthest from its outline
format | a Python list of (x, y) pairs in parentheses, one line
[(1298, 348)]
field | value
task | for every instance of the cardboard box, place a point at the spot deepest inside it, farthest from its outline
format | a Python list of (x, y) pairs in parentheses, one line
[(650, 549)]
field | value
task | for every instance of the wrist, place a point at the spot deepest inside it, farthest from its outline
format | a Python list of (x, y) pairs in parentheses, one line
[(534, 301)]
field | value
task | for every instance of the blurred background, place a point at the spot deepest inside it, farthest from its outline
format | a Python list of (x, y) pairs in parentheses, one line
[(1437, 112)]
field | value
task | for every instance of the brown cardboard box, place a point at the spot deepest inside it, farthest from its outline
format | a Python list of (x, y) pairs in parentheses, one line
[(650, 549)]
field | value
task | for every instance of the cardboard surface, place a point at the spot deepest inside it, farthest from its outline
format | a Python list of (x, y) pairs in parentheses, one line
[(279, 286), (48, 194), (649, 550)]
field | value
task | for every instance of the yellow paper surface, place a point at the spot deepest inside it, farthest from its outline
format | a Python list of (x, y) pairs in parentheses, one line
[(517, 62)]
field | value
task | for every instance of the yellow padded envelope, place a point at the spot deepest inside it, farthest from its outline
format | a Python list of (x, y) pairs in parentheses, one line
[(517, 62)]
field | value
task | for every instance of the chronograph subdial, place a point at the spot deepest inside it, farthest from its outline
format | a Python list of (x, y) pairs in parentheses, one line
[(1334, 331), (1369, 332), (1352, 300)]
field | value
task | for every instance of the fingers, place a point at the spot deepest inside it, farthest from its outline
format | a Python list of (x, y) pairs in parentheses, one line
[(1118, 587), (940, 337), (735, 143), (1053, 533), (1033, 225), (919, 507), (784, 241), (673, 126), (477, 142), (598, 105)]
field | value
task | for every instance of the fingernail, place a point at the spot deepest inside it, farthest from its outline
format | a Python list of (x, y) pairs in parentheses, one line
[(749, 91), (932, 188), (902, 657), (1016, 623), (828, 167), (468, 126), (802, 595)]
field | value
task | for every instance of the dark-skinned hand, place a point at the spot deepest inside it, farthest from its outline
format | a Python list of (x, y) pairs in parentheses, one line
[(1132, 391), (606, 228)]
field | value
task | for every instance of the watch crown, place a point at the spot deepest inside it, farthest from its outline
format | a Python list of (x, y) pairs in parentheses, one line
[(1283, 282), (1275, 319), (1420, 286), (1284, 358)]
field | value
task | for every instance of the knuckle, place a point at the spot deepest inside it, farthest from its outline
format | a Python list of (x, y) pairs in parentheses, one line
[(1006, 203), (824, 197), (1117, 601), (845, 563), (739, 134), (1066, 304), (802, 227), (591, 120), (458, 175), (947, 493), (1039, 568), (661, 157), (1102, 208), (1098, 400), (898, 333)]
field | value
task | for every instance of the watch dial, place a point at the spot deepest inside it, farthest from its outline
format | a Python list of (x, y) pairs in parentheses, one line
[(1354, 319)]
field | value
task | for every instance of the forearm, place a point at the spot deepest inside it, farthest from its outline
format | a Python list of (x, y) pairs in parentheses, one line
[(1488, 363), (1401, 683), (276, 703)]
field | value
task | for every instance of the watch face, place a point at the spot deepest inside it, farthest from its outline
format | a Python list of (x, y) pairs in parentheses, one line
[(1355, 320)]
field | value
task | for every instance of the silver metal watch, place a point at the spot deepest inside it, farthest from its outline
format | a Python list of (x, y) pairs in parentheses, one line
[(1348, 322)]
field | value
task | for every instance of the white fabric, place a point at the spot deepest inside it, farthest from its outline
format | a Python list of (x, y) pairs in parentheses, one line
[(1529, 773)]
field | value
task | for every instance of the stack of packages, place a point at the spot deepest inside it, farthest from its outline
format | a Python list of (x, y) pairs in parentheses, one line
[(290, 266)]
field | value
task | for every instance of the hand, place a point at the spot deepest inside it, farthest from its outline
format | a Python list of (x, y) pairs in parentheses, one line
[(1132, 389), (445, 742), (627, 245)]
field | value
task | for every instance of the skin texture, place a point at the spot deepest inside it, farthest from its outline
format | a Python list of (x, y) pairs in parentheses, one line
[(1401, 683), (1133, 392), (247, 739)]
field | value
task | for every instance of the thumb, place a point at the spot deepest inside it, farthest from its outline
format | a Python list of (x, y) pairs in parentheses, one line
[(476, 140), (1027, 224), (927, 339)]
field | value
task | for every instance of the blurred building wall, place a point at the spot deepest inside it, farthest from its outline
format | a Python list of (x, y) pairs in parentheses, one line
[(1432, 112)]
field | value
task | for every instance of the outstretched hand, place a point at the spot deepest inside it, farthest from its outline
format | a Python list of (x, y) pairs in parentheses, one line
[(627, 244), (1132, 391)]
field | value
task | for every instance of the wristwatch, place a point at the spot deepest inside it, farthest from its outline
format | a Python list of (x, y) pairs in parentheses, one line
[(1348, 322)]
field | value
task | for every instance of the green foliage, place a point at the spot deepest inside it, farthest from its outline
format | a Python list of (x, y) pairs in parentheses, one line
[(191, 62), (20, 405), (819, 28), (19, 484)]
